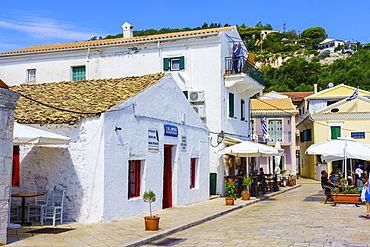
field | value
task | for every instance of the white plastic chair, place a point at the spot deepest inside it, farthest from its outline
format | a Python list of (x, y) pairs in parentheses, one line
[(34, 210), (55, 211)]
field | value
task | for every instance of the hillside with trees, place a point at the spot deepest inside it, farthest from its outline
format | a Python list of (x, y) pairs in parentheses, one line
[(304, 65)]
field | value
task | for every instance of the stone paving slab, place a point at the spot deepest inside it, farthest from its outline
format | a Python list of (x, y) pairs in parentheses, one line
[(130, 231)]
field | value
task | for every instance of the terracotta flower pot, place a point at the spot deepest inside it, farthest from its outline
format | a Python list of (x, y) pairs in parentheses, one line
[(245, 196), (229, 201), (228, 72), (151, 223), (347, 198)]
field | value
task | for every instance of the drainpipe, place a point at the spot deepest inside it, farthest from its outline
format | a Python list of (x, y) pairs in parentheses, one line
[(87, 63), (160, 55)]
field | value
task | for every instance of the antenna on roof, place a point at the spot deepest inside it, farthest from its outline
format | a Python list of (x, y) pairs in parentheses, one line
[(330, 85)]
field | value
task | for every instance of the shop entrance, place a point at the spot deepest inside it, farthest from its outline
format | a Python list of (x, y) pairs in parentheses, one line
[(167, 177)]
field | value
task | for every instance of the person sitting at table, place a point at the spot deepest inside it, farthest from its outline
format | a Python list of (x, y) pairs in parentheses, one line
[(333, 179), (261, 171), (358, 183), (325, 181), (241, 171)]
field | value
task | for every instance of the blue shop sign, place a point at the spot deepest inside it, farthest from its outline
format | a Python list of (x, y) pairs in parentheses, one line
[(170, 130)]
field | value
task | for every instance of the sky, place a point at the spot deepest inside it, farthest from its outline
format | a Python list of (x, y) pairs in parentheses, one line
[(29, 23)]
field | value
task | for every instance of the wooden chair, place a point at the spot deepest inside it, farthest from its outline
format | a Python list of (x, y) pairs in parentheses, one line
[(327, 191), (55, 211), (40, 201), (14, 212)]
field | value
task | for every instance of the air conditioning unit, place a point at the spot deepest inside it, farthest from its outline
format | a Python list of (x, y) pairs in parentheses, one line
[(196, 96), (199, 109)]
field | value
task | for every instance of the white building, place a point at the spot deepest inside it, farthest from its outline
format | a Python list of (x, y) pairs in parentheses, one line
[(198, 61), (140, 141), (331, 44), (264, 33)]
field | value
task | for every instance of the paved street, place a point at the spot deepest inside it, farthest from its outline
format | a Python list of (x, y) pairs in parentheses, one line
[(295, 218)]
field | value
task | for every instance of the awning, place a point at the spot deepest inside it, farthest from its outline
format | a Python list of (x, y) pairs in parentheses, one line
[(250, 149), (27, 135)]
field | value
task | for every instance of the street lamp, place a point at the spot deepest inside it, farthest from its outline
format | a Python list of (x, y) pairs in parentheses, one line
[(220, 138)]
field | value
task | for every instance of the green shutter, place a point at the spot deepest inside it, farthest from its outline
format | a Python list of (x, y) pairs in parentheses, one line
[(335, 132), (78, 73), (166, 63), (186, 94), (231, 105), (309, 135), (182, 62), (242, 109)]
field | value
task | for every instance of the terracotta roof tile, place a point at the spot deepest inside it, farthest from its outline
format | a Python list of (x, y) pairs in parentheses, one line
[(271, 105), (117, 41), (297, 95), (88, 96)]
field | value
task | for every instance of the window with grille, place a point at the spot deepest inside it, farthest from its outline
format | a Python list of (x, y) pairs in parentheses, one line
[(78, 73), (275, 130), (192, 172), (134, 178)]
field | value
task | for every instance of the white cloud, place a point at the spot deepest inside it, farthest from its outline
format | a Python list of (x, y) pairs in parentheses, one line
[(45, 28)]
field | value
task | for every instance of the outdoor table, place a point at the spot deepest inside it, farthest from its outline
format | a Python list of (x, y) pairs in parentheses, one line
[(24, 196)]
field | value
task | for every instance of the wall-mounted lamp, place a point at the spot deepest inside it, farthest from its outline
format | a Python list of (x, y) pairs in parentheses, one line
[(220, 138), (117, 128)]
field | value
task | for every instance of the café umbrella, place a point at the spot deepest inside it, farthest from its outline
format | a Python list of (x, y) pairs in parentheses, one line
[(341, 149), (250, 149), (27, 135)]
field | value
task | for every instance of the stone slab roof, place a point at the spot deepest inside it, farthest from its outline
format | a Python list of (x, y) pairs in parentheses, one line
[(87, 96), (94, 43)]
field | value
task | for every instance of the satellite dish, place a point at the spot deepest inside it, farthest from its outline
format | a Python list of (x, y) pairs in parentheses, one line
[(330, 85)]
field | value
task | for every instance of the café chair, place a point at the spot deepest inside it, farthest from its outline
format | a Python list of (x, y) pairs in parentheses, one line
[(34, 210), (14, 212), (55, 211), (327, 192)]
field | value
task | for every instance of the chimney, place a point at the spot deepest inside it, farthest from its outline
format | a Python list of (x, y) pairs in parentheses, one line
[(127, 30), (315, 88)]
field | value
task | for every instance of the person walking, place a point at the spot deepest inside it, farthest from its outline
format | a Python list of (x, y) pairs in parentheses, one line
[(367, 198)]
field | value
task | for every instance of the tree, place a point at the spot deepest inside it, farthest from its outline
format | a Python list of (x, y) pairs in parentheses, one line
[(315, 34)]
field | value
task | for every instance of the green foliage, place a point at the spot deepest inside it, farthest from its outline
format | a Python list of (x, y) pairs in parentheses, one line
[(149, 196), (230, 188), (343, 181), (314, 35), (315, 60), (246, 182), (324, 54), (346, 191)]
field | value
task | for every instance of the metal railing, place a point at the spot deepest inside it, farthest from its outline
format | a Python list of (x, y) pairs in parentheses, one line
[(237, 65)]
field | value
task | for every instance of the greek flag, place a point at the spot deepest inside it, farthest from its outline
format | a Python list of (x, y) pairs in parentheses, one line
[(264, 125), (353, 96)]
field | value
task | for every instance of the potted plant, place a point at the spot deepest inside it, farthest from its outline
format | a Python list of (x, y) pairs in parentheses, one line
[(151, 222), (347, 196), (343, 181), (230, 192), (246, 182)]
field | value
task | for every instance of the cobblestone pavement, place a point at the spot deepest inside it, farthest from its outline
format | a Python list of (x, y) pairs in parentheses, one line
[(295, 218), (130, 231)]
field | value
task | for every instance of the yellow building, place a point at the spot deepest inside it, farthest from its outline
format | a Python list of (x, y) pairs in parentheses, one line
[(327, 115)]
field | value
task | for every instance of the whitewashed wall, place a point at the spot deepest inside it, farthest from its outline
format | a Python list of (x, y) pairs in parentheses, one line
[(204, 70), (78, 168), (152, 111)]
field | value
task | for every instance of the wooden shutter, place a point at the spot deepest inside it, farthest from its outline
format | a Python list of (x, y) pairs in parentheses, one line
[(186, 93), (182, 62), (134, 178), (166, 63), (335, 132), (192, 173), (78, 73), (279, 130), (15, 177), (231, 105), (242, 107)]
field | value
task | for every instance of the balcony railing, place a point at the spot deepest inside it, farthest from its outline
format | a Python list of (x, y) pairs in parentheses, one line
[(237, 65)]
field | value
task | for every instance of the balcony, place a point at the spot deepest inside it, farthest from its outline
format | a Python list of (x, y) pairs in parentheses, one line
[(244, 75)]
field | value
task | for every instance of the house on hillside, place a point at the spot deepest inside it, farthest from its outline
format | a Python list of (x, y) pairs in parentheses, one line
[(331, 44), (209, 65), (280, 117), (264, 33), (327, 115), (132, 139)]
